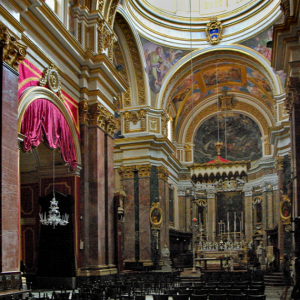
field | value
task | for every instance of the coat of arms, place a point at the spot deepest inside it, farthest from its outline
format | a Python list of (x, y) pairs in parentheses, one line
[(214, 31)]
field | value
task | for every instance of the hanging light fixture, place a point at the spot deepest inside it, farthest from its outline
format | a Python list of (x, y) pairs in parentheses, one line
[(54, 218)]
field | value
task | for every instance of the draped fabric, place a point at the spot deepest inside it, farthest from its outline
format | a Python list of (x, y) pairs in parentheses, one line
[(42, 120)]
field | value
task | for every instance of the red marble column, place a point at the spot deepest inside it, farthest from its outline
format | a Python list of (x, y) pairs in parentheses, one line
[(127, 178), (11, 53), (144, 210)]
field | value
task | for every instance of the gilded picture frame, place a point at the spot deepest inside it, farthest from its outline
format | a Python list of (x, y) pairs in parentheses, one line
[(156, 215)]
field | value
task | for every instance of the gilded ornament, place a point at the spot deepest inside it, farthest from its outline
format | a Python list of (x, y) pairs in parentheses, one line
[(285, 209), (83, 112), (143, 170), (292, 93), (279, 163), (13, 51), (155, 215), (163, 173), (51, 79), (127, 172), (226, 102), (134, 117), (285, 7), (164, 123), (135, 55), (214, 31)]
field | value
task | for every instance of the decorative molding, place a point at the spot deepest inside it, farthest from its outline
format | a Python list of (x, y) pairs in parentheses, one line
[(101, 117), (89, 42), (285, 7), (143, 170), (279, 163), (153, 125), (292, 93), (83, 113), (135, 56), (226, 102), (164, 123), (127, 172), (13, 51), (134, 117), (51, 79), (163, 173)]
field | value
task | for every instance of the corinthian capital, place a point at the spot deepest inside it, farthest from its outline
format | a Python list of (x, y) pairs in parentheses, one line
[(292, 93), (13, 51)]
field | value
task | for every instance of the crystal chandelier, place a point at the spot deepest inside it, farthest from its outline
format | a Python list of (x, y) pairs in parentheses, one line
[(54, 218)]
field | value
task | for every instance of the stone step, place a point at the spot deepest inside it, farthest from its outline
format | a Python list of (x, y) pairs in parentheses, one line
[(274, 279)]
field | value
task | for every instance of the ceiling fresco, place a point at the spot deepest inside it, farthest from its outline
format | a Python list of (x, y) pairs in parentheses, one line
[(214, 79)]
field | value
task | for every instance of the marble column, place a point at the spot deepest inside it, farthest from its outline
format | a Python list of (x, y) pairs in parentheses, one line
[(211, 201), (279, 167), (163, 187), (248, 216), (143, 229), (12, 52), (127, 175), (97, 237)]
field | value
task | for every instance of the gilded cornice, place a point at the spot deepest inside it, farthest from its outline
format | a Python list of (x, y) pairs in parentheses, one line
[(279, 163), (292, 93), (135, 56), (239, 106), (101, 117), (127, 172), (143, 170), (13, 51), (163, 173)]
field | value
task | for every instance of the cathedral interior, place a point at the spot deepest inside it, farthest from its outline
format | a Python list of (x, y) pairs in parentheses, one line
[(171, 130)]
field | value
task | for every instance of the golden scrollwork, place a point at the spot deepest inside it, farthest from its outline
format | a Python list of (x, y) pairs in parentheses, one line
[(143, 170), (134, 117), (100, 5), (112, 12), (127, 172), (214, 31), (156, 215), (292, 93), (135, 55), (163, 173), (13, 51), (153, 124), (188, 153), (83, 112)]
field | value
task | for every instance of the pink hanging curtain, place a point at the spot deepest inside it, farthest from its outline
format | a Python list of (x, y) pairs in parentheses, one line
[(42, 120)]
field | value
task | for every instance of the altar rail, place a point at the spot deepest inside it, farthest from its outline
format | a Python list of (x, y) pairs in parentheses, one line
[(11, 284)]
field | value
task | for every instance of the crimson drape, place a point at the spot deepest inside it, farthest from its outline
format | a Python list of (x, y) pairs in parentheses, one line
[(42, 120)]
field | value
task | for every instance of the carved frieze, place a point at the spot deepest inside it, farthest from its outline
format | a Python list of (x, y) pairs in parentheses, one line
[(292, 93), (163, 173), (127, 172), (13, 51)]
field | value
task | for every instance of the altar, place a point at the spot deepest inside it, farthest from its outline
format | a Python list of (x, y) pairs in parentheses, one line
[(215, 259)]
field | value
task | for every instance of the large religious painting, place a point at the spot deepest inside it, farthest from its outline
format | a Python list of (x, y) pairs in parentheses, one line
[(230, 212), (242, 140)]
